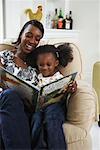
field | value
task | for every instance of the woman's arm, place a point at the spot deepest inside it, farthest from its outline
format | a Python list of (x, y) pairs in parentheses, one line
[(1, 65)]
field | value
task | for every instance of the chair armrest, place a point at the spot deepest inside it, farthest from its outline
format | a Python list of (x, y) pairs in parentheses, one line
[(82, 107), (73, 133), (76, 138)]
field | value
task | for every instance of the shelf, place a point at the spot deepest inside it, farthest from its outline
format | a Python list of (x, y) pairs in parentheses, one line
[(61, 33)]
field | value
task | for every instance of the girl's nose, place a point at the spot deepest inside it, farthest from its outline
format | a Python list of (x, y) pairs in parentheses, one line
[(45, 67)]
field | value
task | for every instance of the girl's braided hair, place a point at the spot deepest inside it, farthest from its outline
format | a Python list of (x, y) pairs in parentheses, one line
[(62, 52)]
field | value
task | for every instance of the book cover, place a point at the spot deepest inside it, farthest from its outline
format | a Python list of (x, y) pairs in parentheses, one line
[(51, 92)]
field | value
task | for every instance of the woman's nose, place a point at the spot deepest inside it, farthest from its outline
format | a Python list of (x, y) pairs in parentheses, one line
[(32, 40)]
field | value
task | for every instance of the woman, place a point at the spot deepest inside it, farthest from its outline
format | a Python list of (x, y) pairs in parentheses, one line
[(14, 123), (14, 115)]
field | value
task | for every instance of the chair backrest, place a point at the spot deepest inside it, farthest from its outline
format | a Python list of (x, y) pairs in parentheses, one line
[(7, 46)]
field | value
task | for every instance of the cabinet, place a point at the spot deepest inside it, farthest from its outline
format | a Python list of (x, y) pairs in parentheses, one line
[(15, 15)]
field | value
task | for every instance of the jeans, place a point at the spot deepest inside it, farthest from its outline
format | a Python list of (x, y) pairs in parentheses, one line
[(47, 127), (14, 123), (15, 128)]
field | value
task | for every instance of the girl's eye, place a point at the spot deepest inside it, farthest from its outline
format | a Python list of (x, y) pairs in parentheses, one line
[(49, 65), (40, 65)]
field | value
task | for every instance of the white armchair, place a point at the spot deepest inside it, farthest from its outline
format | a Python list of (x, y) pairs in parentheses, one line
[(81, 108)]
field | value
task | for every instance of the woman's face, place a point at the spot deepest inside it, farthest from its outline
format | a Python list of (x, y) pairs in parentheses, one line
[(30, 39)]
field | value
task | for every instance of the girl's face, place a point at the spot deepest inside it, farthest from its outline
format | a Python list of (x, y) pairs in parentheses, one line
[(30, 39), (47, 64)]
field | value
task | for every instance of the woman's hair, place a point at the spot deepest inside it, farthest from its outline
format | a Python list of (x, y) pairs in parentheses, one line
[(31, 22), (63, 53)]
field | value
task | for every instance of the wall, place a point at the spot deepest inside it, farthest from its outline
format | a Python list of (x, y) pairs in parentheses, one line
[(1, 21), (15, 15), (99, 28), (86, 20)]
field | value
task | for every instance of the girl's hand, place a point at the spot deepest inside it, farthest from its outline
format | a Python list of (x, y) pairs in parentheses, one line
[(72, 88)]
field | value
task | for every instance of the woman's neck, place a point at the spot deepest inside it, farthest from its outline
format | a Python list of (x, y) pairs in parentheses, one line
[(21, 55)]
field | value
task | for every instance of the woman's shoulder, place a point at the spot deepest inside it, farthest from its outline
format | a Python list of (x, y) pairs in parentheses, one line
[(6, 53), (6, 56), (32, 69)]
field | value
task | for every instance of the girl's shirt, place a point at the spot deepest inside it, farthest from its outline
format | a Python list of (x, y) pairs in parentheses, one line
[(7, 59), (46, 80)]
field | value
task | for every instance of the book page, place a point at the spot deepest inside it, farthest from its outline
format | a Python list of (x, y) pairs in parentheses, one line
[(58, 84), (8, 80)]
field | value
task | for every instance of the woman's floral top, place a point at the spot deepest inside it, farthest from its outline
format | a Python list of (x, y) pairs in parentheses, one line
[(28, 74)]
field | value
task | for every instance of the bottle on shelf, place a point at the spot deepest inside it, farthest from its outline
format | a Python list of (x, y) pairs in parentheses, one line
[(48, 21), (67, 23), (71, 20), (60, 19), (55, 20)]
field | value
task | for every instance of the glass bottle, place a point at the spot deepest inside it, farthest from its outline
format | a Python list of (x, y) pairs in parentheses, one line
[(67, 23), (71, 20), (55, 19), (60, 19)]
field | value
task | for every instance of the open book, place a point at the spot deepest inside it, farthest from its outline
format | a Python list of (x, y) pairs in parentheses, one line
[(32, 92)]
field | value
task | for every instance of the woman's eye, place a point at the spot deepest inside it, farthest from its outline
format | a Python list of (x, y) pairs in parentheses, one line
[(29, 35), (37, 39)]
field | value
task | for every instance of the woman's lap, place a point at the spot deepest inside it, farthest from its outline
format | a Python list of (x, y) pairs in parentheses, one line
[(15, 130), (14, 123)]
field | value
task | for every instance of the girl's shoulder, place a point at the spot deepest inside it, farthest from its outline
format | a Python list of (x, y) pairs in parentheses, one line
[(58, 75)]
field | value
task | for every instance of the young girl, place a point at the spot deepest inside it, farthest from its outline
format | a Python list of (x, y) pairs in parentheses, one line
[(51, 117)]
